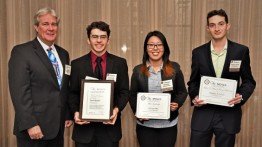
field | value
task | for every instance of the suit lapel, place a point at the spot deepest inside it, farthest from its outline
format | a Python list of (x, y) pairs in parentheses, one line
[(61, 57), (228, 59), (109, 63), (43, 57), (144, 81), (145, 78), (63, 61), (88, 65), (163, 75), (209, 59)]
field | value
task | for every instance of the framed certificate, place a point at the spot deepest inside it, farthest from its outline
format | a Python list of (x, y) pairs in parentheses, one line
[(217, 91), (96, 102), (153, 105)]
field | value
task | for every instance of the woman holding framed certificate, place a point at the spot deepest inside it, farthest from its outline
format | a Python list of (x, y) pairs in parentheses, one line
[(153, 82)]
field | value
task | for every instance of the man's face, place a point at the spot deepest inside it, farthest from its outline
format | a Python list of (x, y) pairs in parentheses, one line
[(98, 41), (217, 27), (47, 29)]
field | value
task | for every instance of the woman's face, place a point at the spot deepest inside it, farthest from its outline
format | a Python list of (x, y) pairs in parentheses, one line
[(155, 49)]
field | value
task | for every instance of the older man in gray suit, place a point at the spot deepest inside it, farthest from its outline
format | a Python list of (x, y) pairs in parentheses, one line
[(39, 83)]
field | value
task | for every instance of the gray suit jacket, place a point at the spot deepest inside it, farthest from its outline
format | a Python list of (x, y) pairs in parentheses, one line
[(35, 92)]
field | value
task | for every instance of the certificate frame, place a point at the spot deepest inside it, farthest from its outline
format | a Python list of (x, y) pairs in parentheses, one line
[(217, 91), (153, 105), (96, 101)]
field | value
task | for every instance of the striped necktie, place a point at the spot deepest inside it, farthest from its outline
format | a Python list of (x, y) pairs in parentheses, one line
[(54, 62)]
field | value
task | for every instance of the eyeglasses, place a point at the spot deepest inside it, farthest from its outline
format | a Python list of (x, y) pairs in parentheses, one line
[(152, 46), (96, 37)]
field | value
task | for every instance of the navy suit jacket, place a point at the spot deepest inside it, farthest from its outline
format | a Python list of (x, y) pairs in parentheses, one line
[(202, 66), (35, 92), (81, 68)]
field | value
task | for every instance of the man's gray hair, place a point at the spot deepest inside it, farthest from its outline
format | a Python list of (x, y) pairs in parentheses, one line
[(44, 11)]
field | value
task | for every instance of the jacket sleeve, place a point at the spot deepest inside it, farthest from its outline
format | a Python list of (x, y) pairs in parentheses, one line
[(134, 90), (194, 82), (69, 115), (248, 83), (19, 85), (75, 87), (180, 88), (122, 91)]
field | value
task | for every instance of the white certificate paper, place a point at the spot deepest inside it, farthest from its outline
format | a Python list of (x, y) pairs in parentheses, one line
[(97, 101), (217, 91), (153, 105)]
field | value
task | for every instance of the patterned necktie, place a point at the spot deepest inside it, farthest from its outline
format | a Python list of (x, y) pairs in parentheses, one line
[(54, 62), (98, 69)]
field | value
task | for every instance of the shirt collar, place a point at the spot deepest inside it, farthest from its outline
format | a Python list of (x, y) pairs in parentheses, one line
[(45, 47), (148, 65), (94, 56), (213, 49)]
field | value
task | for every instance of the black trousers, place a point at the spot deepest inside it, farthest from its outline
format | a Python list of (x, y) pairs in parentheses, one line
[(100, 139), (58, 141), (156, 137), (222, 138)]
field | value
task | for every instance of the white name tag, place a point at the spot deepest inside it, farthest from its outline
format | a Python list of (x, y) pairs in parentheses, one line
[(67, 69), (90, 78), (166, 85), (111, 77), (235, 65)]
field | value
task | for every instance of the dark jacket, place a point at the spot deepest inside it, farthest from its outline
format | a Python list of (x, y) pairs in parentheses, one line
[(139, 83), (202, 66), (35, 92), (81, 68)]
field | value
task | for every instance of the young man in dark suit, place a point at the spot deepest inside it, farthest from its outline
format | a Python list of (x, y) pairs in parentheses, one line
[(215, 59), (39, 87), (102, 134)]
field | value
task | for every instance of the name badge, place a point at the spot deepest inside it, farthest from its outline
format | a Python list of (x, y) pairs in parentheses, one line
[(67, 69), (90, 78), (166, 85), (111, 77), (235, 65)]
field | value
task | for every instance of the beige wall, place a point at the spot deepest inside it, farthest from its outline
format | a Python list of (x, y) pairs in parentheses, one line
[(183, 23)]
